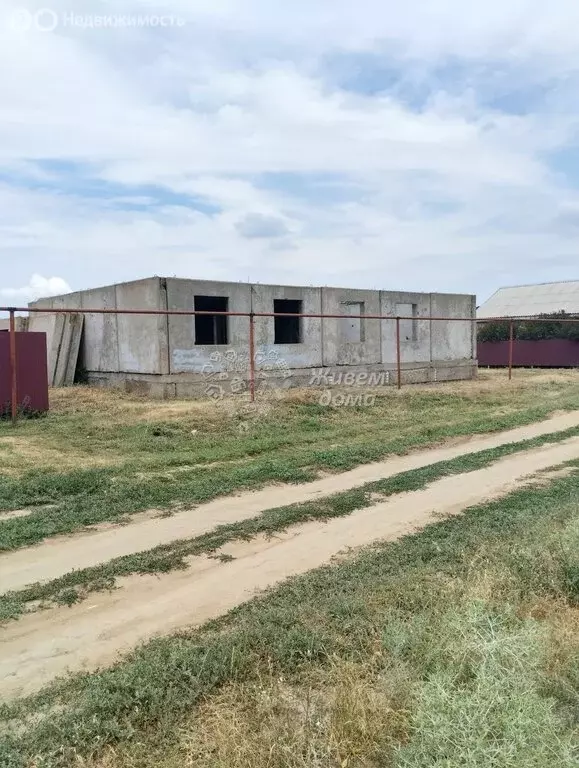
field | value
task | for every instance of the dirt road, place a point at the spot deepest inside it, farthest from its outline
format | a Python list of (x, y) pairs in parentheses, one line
[(44, 645), (56, 557)]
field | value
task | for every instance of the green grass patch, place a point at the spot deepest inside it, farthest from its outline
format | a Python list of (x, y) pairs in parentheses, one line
[(77, 584), (458, 641), (168, 465)]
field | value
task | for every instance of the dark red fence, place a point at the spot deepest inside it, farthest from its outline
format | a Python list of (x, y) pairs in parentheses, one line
[(543, 353), (31, 372)]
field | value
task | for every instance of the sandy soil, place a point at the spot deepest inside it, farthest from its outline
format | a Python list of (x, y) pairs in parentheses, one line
[(12, 515), (57, 556), (44, 645)]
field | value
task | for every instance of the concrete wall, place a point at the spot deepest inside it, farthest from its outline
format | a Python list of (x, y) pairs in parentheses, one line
[(340, 347), (142, 340), (145, 347), (414, 348), (20, 324), (185, 356), (453, 341), (99, 347), (296, 356), (129, 343)]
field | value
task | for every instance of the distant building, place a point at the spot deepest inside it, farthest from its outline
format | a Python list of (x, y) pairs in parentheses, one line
[(537, 344), (533, 300)]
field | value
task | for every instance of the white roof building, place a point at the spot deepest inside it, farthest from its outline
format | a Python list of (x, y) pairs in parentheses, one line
[(532, 300)]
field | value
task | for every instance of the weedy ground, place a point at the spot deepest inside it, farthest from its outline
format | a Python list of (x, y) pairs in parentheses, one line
[(101, 456), (456, 646), (79, 583)]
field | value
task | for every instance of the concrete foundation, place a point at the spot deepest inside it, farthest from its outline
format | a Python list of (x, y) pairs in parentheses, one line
[(366, 378), (166, 356)]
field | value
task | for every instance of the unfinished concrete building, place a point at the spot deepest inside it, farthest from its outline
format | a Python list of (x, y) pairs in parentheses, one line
[(168, 356)]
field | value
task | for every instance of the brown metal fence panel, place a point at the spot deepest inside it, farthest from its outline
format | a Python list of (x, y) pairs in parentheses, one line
[(540, 353), (31, 372)]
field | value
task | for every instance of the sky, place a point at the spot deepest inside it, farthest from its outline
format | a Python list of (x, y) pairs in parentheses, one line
[(424, 145)]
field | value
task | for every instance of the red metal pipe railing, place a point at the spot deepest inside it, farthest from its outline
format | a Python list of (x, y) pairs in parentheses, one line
[(511, 347), (13, 370), (252, 316), (188, 312), (251, 359), (398, 355)]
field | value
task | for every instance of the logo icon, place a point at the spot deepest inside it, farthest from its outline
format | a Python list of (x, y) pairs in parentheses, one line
[(43, 20)]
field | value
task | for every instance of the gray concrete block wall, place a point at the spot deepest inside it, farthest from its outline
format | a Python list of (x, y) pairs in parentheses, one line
[(100, 347), (452, 340), (338, 349), (149, 346), (416, 348), (185, 356), (295, 356), (68, 301), (20, 324), (142, 339), (128, 343)]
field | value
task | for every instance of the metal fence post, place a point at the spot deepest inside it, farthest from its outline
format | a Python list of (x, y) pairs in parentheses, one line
[(13, 369), (252, 358), (398, 355), (511, 347)]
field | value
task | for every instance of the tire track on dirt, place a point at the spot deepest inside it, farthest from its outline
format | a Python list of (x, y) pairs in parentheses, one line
[(44, 645), (56, 557)]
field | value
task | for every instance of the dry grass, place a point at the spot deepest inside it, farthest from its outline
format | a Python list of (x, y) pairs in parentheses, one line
[(19, 453), (454, 647), (95, 427), (345, 718), (122, 408), (351, 715), (127, 408), (493, 379), (485, 697)]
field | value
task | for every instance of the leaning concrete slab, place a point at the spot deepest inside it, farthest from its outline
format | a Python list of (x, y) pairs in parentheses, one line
[(67, 357), (52, 325)]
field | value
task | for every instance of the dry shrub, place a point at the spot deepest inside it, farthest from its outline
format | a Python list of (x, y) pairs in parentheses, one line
[(350, 718)]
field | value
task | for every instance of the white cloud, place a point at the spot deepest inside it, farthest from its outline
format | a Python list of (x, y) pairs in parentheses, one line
[(256, 225), (37, 287), (448, 183)]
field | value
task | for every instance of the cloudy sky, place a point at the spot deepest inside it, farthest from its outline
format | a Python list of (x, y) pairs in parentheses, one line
[(424, 144)]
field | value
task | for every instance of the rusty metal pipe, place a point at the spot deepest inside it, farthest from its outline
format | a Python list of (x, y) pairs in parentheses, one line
[(511, 348), (398, 355), (251, 358), (13, 369)]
